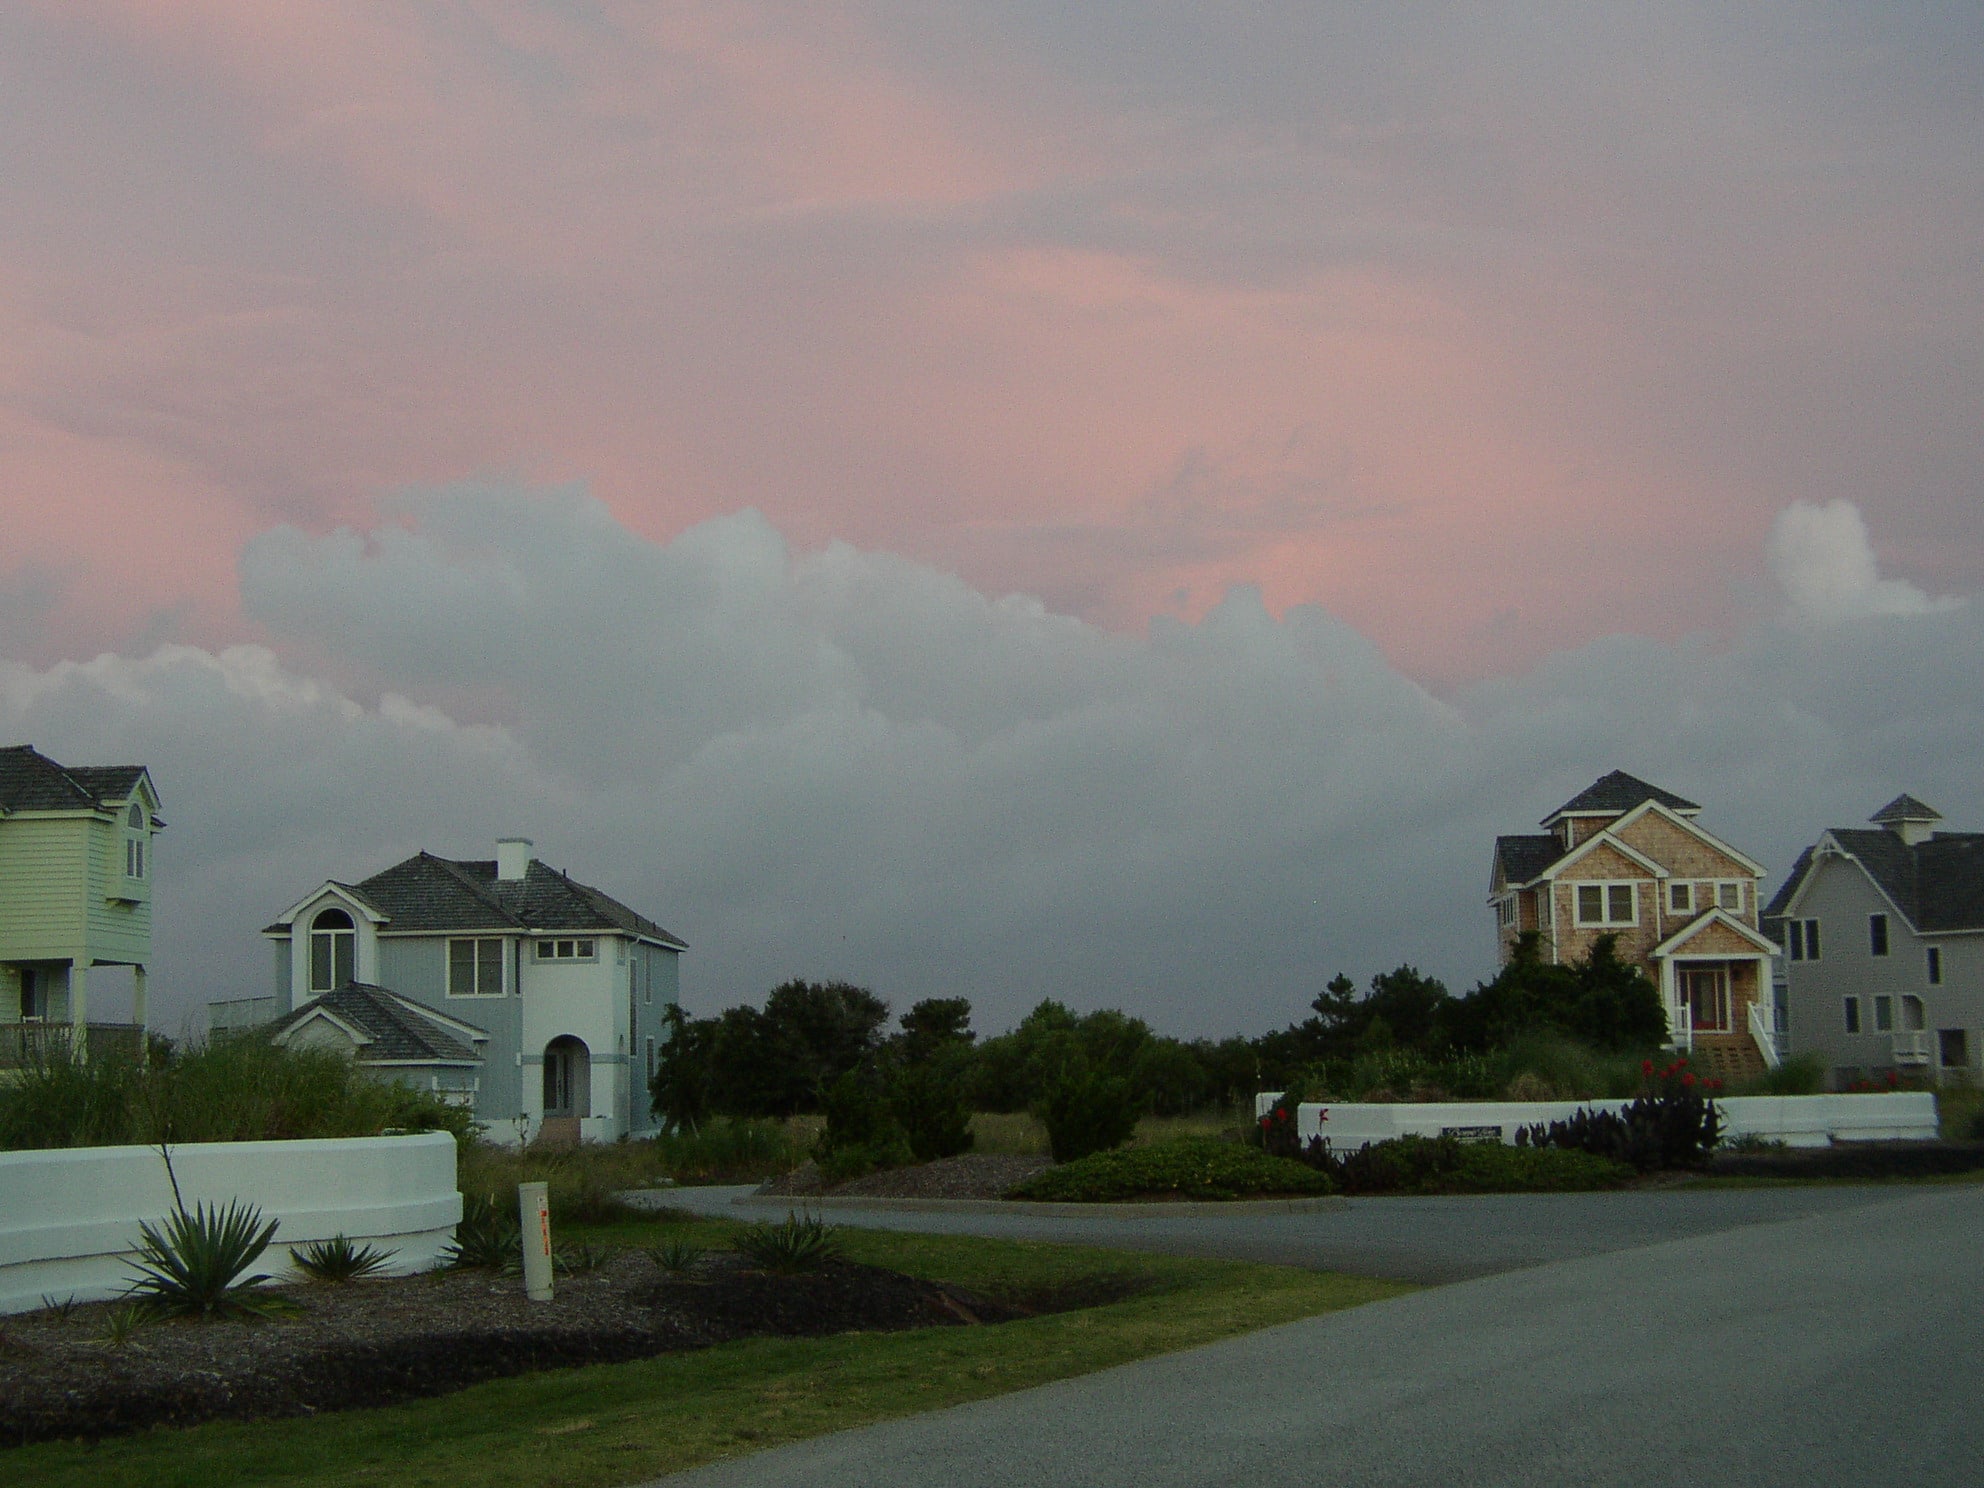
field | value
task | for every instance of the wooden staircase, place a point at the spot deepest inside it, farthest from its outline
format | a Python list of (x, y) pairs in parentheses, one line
[(1735, 1062)]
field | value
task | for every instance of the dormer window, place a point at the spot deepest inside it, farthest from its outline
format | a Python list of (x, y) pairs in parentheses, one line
[(333, 950)]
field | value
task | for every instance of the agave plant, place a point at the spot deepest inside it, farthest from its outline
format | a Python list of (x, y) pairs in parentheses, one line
[(121, 1323), (192, 1265), (795, 1245), (676, 1257), (577, 1260), (488, 1238), (339, 1259)]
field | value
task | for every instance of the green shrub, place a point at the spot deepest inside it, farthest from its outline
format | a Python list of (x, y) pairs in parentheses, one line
[(1429, 1165), (789, 1247), (728, 1150), (1182, 1168), (1086, 1111), (862, 1132), (1675, 1124), (677, 1257), (338, 1259), (1802, 1074), (928, 1100), (191, 1265)]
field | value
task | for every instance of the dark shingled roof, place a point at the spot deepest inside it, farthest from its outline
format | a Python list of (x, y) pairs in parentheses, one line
[(1523, 858), (1620, 792), (399, 1029), (1937, 884), (456, 895), (1905, 808), (31, 781)]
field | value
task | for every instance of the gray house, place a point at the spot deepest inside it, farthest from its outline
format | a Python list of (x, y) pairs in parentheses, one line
[(533, 997), (1883, 937)]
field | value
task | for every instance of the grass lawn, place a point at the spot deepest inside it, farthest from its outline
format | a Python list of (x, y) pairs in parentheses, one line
[(619, 1423)]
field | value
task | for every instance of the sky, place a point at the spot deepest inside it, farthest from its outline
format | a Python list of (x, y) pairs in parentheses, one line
[(1120, 503)]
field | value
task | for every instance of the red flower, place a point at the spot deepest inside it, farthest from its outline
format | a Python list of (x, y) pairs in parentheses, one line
[(1688, 1079), (1646, 1066)]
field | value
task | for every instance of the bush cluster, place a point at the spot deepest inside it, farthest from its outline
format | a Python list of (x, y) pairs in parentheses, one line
[(1429, 1165), (1673, 1124), (1182, 1168)]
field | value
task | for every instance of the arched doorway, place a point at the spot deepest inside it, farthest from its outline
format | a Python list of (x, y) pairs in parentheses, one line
[(567, 1079)]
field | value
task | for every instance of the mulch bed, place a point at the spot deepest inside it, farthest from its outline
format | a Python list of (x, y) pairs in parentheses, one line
[(379, 1342), (973, 1175)]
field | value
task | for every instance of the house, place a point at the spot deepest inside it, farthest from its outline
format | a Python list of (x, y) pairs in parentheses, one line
[(1883, 931), (75, 894), (556, 988), (1627, 859)]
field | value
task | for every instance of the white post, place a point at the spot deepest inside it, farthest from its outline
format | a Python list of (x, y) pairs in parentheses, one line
[(534, 1214)]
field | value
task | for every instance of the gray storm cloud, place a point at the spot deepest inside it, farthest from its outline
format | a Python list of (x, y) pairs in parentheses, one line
[(845, 763)]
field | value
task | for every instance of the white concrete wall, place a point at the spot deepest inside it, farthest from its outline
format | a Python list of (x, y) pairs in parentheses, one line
[(1795, 1120), (69, 1217)]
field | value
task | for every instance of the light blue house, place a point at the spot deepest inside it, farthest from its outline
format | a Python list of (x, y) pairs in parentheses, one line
[(501, 982)]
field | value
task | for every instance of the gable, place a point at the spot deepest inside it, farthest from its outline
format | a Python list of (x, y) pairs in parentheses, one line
[(1603, 858), (1682, 848), (1714, 934)]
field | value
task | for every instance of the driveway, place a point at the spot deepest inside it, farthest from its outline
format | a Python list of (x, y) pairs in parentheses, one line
[(1839, 1340)]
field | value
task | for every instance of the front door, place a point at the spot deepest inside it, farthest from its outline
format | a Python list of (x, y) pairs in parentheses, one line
[(1706, 991)]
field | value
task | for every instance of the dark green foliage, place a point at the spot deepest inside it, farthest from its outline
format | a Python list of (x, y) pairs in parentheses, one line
[(1675, 1124), (488, 1238), (927, 1100), (727, 1150), (338, 1259), (1600, 1001), (862, 1132), (1182, 1168), (934, 1027), (776, 1061), (681, 1091), (676, 1257), (792, 1246), (234, 1089), (1276, 1132), (578, 1260), (192, 1265), (1802, 1074), (1427, 1165), (1086, 1110)]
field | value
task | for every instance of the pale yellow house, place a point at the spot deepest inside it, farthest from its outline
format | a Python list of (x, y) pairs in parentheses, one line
[(75, 894), (1627, 859)]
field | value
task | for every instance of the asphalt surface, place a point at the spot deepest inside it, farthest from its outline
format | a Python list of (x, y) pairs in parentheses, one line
[(1787, 1336)]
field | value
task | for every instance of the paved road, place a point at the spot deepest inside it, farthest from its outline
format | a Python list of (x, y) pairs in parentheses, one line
[(1843, 1346), (1429, 1240)]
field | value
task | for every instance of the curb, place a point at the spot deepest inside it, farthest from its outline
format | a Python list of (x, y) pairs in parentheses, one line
[(1038, 1210)]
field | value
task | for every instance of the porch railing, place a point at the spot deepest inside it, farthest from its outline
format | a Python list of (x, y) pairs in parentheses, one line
[(23, 1044), (1763, 1030), (1911, 1048), (239, 1013)]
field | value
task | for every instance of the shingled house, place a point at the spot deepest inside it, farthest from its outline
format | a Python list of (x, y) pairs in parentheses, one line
[(554, 989), (1629, 860), (1883, 930), (75, 894)]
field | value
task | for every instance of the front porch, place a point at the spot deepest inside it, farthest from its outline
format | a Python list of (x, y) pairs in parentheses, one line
[(23, 1045)]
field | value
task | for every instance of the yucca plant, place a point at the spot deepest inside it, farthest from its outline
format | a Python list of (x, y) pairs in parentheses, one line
[(792, 1246), (577, 1260), (339, 1259), (676, 1257), (121, 1323), (488, 1237), (192, 1265)]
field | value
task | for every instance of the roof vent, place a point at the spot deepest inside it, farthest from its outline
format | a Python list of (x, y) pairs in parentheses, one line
[(512, 859)]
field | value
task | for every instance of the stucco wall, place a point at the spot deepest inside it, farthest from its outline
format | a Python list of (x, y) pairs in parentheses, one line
[(69, 1218)]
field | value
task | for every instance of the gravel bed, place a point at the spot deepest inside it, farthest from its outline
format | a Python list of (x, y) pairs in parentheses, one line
[(973, 1175), (377, 1342)]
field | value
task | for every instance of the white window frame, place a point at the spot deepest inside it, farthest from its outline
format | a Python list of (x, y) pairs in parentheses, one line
[(1734, 884), (480, 947), (568, 948), (332, 935), (1680, 897), (1802, 939), (1605, 886)]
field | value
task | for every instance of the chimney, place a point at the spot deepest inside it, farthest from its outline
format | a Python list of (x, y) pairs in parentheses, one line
[(512, 859)]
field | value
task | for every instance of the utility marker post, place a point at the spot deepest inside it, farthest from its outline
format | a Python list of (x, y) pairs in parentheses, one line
[(534, 1217)]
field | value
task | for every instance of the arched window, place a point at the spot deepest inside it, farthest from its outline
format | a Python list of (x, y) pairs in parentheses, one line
[(134, 845), (333, 950)]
